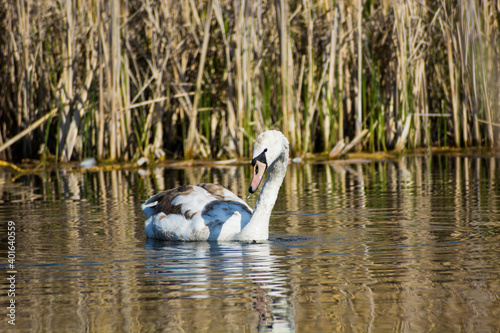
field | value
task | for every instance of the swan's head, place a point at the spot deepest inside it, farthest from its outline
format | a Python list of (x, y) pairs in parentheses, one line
[(266, 150)]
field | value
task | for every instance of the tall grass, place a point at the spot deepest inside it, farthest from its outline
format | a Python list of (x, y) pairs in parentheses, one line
[(201, 79)]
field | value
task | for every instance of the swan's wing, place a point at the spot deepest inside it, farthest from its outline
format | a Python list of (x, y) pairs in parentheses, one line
[(162, 202), (225, 218), (224, 194), (206, 211)]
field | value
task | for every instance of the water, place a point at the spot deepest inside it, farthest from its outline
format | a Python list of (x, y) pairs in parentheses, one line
[(410, 245)]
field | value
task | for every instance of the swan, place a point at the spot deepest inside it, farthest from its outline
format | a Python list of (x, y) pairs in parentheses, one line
[(209, 212)]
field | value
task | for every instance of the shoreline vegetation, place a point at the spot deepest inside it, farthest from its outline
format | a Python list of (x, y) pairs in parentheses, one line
[(29, 166), (199, 80)]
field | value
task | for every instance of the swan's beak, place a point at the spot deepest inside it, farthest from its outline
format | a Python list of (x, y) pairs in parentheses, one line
[(258, 173)]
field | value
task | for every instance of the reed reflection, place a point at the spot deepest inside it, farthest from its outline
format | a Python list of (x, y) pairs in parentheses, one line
[(392, 245), (404, 239)]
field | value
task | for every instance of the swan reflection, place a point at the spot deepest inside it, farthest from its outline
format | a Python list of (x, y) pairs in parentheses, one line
[(240, 272)]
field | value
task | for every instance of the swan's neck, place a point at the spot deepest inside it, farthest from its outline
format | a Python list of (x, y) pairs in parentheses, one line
[(258, 226)]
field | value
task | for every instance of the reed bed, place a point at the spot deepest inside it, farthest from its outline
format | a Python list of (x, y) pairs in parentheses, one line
[(119, 80)]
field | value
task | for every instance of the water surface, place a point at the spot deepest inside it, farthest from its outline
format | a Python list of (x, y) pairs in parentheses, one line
[(410, 245)]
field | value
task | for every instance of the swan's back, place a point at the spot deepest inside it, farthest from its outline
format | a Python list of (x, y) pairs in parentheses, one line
[(195, 212)]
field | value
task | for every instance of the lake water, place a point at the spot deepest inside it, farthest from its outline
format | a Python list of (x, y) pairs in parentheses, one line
[(409, 245)]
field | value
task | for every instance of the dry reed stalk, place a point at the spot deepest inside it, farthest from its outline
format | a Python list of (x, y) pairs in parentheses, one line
[(489, 36), (239, 10), (23, 99), (340, 81), (485, 86), (470, 28), (230, 103), (100, 116), (81, 97), (335, 152), (247, 61), (78, 112), (359, 111), (69, 124), (300, 123), (331, 71), (401, 116), (28, 130), (124, 86), (113, 80), (349, 85), (309, 117), (292, 117), (281, 7), (193, 139), (357, 139), (454, 88), (258, 74), (459, 47)]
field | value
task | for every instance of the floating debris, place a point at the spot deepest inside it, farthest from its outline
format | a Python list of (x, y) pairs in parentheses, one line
[(88, 163), (142, 161)]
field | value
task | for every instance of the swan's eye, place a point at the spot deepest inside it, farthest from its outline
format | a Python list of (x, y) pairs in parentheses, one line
[(265, 150)]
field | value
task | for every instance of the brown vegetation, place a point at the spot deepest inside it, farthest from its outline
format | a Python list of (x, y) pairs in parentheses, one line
[(200, 79)]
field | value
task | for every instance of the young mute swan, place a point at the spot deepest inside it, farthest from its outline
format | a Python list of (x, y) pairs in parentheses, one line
[(211, 212)]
